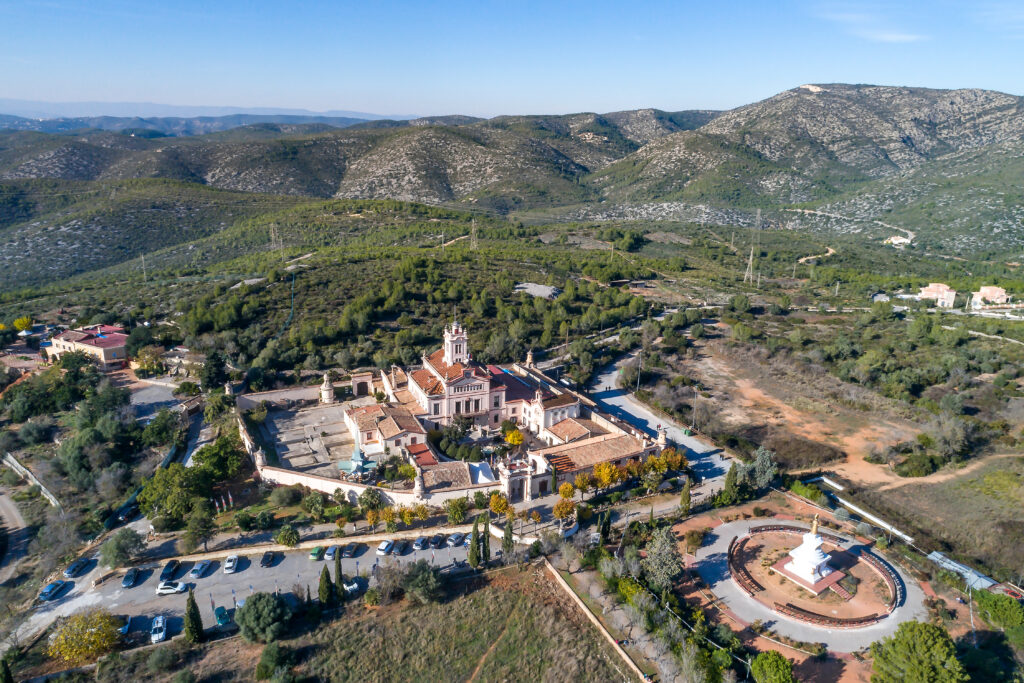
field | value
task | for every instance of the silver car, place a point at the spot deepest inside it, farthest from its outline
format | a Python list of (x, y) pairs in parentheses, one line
[(200, 569)]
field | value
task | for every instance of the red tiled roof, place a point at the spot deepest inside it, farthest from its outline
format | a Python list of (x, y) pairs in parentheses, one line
[(109, 341), (422, 453), (427, 382), (455, 370)]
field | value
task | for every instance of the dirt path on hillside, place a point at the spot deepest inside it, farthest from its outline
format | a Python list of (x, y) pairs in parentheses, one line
[(483, 658), (805, 259), (947, 475)]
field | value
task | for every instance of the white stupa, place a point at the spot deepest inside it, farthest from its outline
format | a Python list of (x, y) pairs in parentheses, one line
[(809, 562)]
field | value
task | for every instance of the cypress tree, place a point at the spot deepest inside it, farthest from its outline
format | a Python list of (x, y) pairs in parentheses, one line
[(508, 545), (193, 620), (685, 500), (326, 592), (5, 672), (485, 541), (339, 588), (730, 489), (474, 544)]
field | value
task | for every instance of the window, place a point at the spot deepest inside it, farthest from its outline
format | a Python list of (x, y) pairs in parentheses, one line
[(496, 419), (458, 408), (476, 406), (437, 409), (412, 440), (497, 402)]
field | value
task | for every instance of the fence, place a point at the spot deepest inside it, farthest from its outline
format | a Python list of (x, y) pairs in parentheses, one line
[(13, 463)]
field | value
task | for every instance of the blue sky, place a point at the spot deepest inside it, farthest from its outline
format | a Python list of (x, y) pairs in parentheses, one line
[(487, 58)]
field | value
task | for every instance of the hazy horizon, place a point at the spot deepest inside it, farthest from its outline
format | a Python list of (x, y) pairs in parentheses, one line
[(403, 58)]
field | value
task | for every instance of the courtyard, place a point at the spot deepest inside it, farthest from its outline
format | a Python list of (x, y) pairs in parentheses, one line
[(312, 439)]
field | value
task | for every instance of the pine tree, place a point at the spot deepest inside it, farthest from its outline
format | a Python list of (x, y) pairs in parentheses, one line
[(193, 621), (685, 501), (326, 592), (508, 544), (485, 541), (474, 544)]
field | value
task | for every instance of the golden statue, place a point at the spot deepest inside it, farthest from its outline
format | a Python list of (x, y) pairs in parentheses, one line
[(814, 525)]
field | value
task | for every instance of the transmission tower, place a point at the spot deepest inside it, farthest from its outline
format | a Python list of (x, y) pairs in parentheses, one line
[(275, 239), (748, 276), (472, 236)]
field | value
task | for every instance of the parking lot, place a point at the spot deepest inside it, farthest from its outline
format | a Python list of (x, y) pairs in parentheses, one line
[(215, 588)]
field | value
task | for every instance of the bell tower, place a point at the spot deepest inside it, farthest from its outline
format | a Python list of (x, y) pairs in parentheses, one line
[(456, 344)]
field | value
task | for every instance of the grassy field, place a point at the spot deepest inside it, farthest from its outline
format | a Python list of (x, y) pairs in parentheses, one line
[(518, 626)]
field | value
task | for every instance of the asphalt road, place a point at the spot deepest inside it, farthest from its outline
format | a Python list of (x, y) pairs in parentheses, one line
[(707, 461), (217, 588), (17, 536)]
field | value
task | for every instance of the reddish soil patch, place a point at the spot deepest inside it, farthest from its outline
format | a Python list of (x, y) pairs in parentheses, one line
[(871, 595)]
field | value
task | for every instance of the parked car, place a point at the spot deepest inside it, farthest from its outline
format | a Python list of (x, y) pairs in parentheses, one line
[(222, 616), (75, 568), (420, 543), (331, 552), (52, 590), (268, 558), (455, 540), (437, 540), (169, 570), (350, 585), (158, 631), (231, 564), (350, 550), (171, 587), (317, 553), (130, 577), (468, 540), (199, 569), (128, 513), (385, 547), (400, 548)]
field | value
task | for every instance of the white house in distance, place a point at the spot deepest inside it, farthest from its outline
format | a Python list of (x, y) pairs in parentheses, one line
[(943, 295), (989, 295)]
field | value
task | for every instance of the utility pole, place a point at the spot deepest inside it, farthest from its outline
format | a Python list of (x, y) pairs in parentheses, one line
[(794, 270), (472, 238), (759, 279), (749, 274), (442, 242), (693, 410), (837, 289), (143, 267), (732, 241), (970, 602), (640, 369)]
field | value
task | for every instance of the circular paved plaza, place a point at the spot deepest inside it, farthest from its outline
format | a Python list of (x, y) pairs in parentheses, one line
[(713, 566)]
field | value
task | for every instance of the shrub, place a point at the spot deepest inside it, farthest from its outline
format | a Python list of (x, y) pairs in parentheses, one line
[(161, 659), (628, 589), (283, 496), (287, 536), (372, 597), (422, 582), (865, 529), (274, 657), (808, 491), (615, 497)]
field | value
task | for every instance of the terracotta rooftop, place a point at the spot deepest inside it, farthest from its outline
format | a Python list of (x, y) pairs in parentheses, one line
[(112, 338), (572, 429), (455, 370), (392, 420), (447, 475), (584, 454), (426, 381), (422, 453)]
